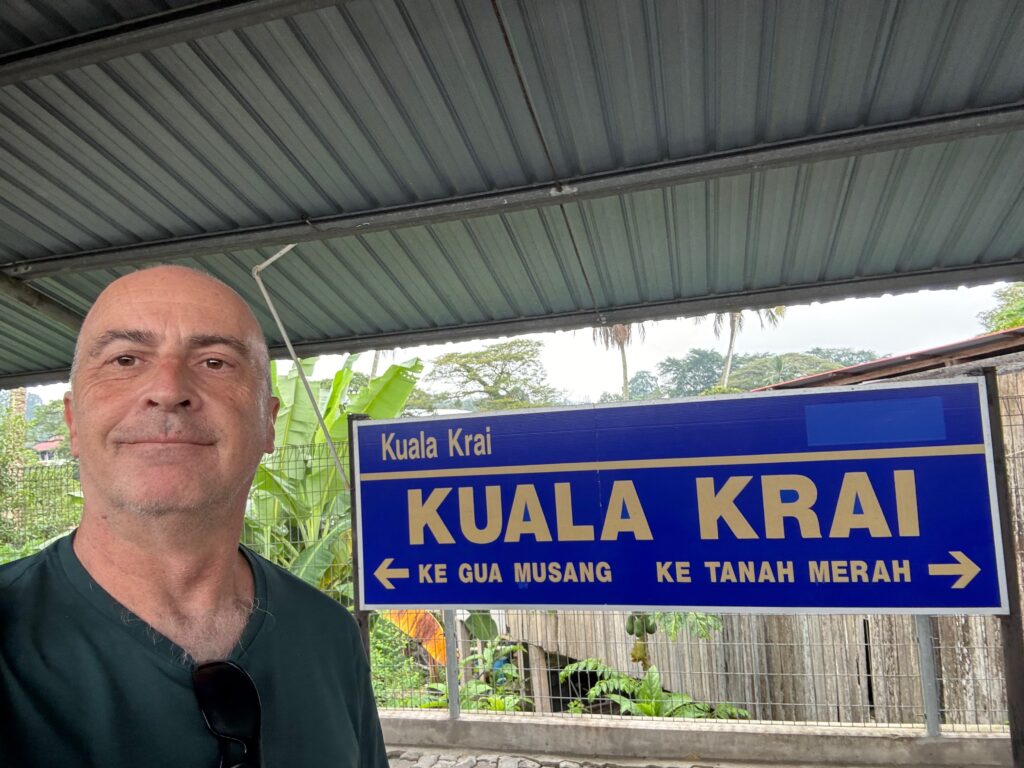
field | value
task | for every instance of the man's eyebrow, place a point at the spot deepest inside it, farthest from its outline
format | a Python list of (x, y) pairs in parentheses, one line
[(149, 339), (213, 340), (146, 338)]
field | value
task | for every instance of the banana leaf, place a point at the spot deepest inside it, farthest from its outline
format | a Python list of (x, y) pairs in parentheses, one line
[(296, 420), (316, 558), (385, 396)]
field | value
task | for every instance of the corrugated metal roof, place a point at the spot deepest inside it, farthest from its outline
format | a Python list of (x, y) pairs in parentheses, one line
[(369, 107), (28, 23)]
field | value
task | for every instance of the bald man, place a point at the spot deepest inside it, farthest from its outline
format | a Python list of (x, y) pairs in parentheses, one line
[(102, 632)]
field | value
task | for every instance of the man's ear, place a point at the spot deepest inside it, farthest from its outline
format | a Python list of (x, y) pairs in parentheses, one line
[(69, 419), (275, 406)]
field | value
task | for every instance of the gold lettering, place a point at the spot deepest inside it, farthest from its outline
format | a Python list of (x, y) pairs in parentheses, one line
[(624, 498), (776, 510), (820, 571), (424, 515), (467, 515), (526, 518), (567, 528), (857, 486), (713, 506), (906, 502)]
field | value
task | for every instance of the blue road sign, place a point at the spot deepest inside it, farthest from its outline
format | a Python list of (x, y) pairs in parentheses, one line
[(866, 499)]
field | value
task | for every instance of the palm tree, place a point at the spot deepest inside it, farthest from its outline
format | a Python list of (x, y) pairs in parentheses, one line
[(770, 315), (619, 335)]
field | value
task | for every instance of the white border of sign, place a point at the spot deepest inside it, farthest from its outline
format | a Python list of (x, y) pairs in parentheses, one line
[(986, 427)]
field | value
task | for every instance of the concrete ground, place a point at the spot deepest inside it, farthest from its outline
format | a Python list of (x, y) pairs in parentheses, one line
[(411, 757), (476, 740)]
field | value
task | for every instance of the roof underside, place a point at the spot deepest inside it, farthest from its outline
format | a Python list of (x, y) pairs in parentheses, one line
[(455, 169)]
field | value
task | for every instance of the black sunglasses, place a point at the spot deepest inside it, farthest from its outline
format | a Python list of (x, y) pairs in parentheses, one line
[(230, 705)]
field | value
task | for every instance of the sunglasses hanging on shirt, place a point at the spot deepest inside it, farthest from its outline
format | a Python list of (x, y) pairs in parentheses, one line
[(230, 705)]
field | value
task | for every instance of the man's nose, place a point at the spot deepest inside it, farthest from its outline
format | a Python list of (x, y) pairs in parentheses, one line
[(170, 386)]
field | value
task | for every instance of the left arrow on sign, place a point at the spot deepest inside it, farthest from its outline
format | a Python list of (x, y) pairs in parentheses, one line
[(964, 567), (385, 573)]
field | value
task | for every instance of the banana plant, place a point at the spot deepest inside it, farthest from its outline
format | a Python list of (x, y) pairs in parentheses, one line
[(299, 515)]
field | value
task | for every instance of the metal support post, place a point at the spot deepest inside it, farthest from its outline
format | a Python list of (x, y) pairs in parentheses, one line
[(926, 668), (451, 661), (362, 616), (1011, 624)]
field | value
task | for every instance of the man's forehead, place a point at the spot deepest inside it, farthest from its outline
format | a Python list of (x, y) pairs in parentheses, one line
[(171, 302)]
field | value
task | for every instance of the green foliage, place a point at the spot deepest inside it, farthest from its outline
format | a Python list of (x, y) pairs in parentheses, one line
[(844, 356), (691, 374), (481, 626), (778, 368), (498, 377), (494, 687), (698, 625), (37, 503), (644, 696), (721, 391), (1008, 311), (698, 371), (48, 422), (299, 514), (644, 386), (397, 678)]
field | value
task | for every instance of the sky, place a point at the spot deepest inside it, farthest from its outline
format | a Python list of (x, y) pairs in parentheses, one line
[(887, 324)]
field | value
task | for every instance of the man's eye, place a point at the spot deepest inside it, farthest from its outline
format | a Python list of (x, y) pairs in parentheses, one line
[(214, 364), (124, 361)]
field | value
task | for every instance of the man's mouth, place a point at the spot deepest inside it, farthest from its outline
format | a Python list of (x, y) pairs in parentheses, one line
[(169, 441)]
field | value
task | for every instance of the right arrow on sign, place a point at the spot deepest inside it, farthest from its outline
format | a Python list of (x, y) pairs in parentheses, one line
[(385, 573), (964, 567)]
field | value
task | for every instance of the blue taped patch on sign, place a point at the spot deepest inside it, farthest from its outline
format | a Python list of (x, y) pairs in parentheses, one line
[(878, 421)]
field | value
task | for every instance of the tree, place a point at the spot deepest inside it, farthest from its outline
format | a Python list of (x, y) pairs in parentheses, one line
[(690, 375), (770, 315), (13, 456), (620, 336), (498, 377), (778, 368), (844, 356), (47, 423), (644, 386), (1008, 311), (422, 402)]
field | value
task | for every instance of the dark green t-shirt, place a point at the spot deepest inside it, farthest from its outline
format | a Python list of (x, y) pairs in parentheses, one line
[(84, 682)]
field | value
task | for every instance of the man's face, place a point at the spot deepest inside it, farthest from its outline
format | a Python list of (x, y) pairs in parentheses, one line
[(169, 411)]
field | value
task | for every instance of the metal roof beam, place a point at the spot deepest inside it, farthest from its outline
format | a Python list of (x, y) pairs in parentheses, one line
[(38, 302), (666, 310), (840, 289), (200, 19), (743, 161)]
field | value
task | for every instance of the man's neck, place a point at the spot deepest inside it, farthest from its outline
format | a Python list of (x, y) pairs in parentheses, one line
[(194, 587)]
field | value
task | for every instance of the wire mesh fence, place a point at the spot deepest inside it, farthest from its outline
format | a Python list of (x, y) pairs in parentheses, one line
[(790, 669)]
